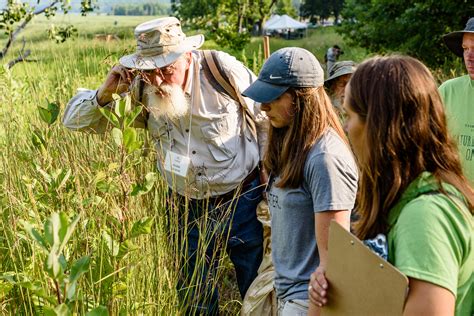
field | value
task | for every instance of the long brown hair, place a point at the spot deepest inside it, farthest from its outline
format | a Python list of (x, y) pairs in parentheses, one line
[(405, 134), (288, 147)]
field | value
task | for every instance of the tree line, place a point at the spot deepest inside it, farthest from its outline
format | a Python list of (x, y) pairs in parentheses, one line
[(413, 27), (141, 9)]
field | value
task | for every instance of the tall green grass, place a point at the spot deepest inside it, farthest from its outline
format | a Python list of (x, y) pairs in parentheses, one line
[(143, 281)]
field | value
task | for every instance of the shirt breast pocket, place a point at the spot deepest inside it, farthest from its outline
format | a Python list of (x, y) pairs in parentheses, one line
[(159, 131), (220, 140)]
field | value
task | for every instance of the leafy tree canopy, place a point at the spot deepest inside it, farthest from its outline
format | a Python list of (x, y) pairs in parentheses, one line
[(321, 8), (229, 22), (411, 27), (17, 14)]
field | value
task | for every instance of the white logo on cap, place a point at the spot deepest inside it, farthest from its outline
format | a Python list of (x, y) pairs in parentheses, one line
[(275, 77)]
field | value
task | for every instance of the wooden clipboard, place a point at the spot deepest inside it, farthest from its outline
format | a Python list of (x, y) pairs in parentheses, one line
[(360, 282)]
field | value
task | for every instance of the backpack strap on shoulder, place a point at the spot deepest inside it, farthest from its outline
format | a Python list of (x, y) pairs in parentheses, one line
[(212, 62)]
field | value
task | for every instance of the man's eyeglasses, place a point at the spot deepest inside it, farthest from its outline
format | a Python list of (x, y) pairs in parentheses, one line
[(168, 70), (163, 71)]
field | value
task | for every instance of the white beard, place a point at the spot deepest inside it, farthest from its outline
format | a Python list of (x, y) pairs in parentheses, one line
[(172, 105)]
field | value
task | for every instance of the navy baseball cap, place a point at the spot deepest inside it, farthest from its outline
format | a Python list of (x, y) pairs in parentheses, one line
[(290, 67)]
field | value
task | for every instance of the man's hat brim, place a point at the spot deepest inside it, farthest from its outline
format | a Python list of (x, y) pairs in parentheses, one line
[(454, 41), (136, 61), (343, 71)]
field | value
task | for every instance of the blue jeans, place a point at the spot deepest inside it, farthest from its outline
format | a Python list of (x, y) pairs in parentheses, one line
[(208, 229)]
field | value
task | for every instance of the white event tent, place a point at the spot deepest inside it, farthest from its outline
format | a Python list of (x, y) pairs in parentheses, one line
[(283, 24)]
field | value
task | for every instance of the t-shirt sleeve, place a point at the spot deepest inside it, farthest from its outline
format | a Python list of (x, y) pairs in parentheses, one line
[(427, 245), (332, 182)]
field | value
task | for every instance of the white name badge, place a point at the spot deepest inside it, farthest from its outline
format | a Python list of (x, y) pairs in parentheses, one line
[(177, 164)]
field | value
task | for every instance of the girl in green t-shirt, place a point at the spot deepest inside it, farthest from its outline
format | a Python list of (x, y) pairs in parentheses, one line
[(412, 187)]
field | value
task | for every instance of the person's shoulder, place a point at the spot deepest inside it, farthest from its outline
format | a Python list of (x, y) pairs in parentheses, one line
[(331, 142), (454, 83), (436, 209), (331, 149)]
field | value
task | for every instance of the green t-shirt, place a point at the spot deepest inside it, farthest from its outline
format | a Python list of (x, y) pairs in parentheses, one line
[(431, 239), (458, 96)]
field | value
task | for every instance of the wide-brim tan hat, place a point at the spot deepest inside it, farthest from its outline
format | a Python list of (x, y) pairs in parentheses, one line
[(454, 39), (339, 69), (160, 42)]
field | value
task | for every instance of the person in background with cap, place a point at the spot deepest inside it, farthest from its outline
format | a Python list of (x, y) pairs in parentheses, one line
[(331, 56), (313, 175), (458, 97), (338, 77), (192, 122)]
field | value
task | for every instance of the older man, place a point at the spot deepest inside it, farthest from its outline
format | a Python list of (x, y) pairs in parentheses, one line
[(458, 96), (338, 77), (207, 148)]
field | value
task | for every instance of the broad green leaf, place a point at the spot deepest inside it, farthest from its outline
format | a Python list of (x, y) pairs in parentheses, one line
[(119, 287), (139, 189), (110, 116), (63, 226), (128, 104), (49, 114), (49, 311), (62, 178), (116, 97), (150, 180), (98, 311), (122, 105), (119, 107), (125, 248), (5, 288), (51, 230), (8, 276), (71, 291), (111, 244), (78, 268), (132, 116), (130, 140), (104, 186), (47, 177), (70, 229), (52, 265), (141, 227), (34, 234), (45, 115), (117, 136), (38, 140), (62, 310), (101, 175)]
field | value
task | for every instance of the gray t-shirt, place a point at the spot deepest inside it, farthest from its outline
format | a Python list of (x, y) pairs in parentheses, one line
[(330, 183)]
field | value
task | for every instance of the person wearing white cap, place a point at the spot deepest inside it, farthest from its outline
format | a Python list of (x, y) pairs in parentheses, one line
[(458, 97), (208, 150)]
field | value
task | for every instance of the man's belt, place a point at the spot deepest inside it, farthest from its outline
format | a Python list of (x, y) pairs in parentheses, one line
[(243, 187)]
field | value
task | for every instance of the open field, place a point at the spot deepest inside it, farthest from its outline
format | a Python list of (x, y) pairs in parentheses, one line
[(126, 232)]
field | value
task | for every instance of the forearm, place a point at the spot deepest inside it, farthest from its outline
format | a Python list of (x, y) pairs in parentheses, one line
[(322, 222)]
